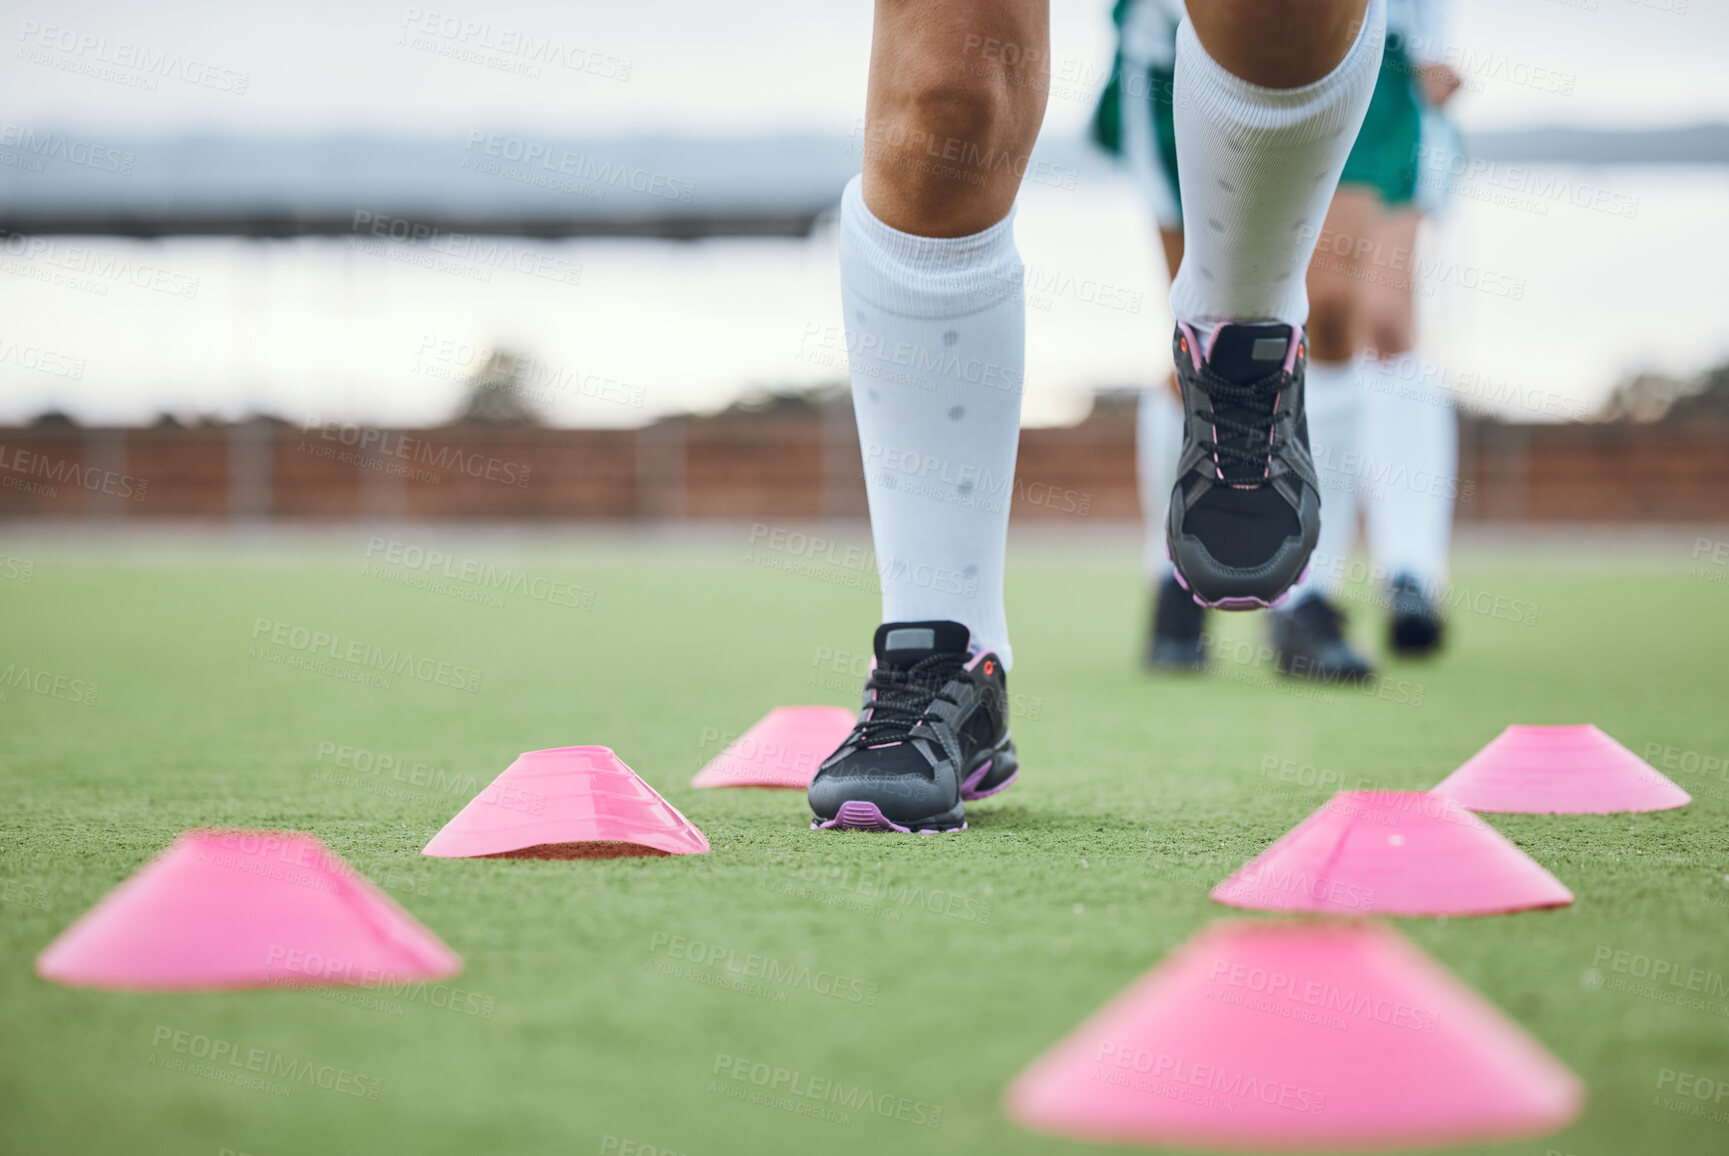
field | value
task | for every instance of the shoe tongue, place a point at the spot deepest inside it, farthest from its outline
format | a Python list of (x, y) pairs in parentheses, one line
[(904, 643), (1243, 353)]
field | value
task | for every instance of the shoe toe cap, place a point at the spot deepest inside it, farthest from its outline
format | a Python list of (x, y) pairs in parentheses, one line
[(902, 798), (1222, 570)]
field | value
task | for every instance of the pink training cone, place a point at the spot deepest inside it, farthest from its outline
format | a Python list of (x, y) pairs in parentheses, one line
[(244, 909), (1296, 1036), (567, 803), (1566, 770), (1392, 853), (783, 749)]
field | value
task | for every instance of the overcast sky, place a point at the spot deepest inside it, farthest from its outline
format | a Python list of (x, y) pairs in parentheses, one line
[(696, 66), (320, 329)]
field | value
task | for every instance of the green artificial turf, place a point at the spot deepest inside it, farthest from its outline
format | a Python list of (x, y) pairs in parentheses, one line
[(574, 1029)]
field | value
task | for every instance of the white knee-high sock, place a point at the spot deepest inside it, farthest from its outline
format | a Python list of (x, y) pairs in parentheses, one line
[(936, 341), (1158, 445), (1334, 405), (1408, 417), (1257, 168)]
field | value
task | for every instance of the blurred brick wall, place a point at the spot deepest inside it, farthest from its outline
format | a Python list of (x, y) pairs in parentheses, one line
[(799, 466)]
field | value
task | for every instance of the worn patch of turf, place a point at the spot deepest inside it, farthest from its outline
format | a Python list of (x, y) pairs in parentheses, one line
[(958, 958)]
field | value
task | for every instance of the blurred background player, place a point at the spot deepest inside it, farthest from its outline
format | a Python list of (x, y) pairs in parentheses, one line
[(1360, 292), (1268, 97), (1134, 121), (1385, 437), (1408, 413)]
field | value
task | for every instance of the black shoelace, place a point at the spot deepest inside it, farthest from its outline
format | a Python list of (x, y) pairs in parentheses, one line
[(903, 694), (1250, 442)]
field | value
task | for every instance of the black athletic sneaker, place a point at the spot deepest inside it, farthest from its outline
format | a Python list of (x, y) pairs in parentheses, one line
[(1174, 642), (1246, 508), (1415, 626), (934, 731), (1310, 640)]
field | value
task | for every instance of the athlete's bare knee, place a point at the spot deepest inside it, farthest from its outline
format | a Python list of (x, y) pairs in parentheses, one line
[(957, 117), (1391, 336), (931, 159), (957, 93), (1277, 43), (1269, 15), (1332, 306)]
